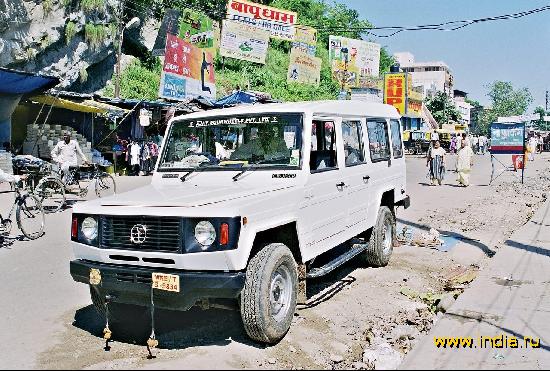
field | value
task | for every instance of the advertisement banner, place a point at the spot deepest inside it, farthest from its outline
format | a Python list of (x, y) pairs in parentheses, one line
[(305, 40), (241, 41), (188, 71), (354, 61), (507, 138), (197, 29), (280, 23), (304, 68), (169, 26), (394, 90)]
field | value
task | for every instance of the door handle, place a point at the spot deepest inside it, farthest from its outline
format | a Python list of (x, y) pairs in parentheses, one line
[(366, 177), (341, 185)]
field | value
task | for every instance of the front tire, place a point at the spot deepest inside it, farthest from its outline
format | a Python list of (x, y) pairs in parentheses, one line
[(105, 185), (382, 238), (268, 300), (30, 217)]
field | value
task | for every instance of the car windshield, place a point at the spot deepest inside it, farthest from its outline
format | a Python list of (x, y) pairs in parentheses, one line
[(222, 142)]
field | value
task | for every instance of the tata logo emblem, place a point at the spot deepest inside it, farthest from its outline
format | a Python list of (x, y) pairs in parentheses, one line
[(138, 234)]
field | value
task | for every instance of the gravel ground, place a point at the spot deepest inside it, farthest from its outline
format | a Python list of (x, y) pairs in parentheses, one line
[(357, 317)]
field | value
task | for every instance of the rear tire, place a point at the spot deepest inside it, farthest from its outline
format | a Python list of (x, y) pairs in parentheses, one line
[(382, 238), (30, 217), (268, 299), (51, 192)]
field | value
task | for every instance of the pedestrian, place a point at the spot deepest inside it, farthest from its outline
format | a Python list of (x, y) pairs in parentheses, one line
[(532, 147), (464, 164), (475, 144), (436, 164), (482, 144), (65, 154), (541, 143), (452, 147)]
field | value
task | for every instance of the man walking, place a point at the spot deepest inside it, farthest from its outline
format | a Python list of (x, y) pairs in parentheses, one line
[(482, 144), (64, 153)]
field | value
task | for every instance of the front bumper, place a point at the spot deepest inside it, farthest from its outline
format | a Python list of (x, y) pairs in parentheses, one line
[(132, 285)]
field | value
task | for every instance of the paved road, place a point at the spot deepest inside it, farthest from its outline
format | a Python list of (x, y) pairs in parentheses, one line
[(41, 304)]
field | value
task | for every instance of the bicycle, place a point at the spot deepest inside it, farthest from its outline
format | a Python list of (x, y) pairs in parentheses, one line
[(53, 190), (29, 214)]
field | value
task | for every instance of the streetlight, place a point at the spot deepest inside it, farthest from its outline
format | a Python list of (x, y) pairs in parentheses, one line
[(131, 24)]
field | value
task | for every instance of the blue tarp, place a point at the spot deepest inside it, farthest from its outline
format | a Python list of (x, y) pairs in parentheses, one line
[(236, 98), (16, 83)]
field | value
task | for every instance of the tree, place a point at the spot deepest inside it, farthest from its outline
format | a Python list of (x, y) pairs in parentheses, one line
[(442, 108), (505, 101), (540, 124), (475, 114)]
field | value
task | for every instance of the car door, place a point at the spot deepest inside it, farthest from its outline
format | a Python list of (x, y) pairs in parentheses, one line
[(380, 168), (322, 213), (398, 174), (356, 172)]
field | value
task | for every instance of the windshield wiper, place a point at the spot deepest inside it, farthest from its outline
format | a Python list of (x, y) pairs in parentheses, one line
[(183, 178), (256, 167)]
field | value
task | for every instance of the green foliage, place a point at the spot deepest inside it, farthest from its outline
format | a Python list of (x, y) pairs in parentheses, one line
[(112, 30), (92, 5), (137, 82), (70, 31), (66, 3), (540, 124), (442, 108), (47, 6), (83, 75), (505, 101), (95, 34)]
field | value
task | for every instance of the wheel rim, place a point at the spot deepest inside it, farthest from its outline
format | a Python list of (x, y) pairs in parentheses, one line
[(388, 236), (280, 293), (52, 196), (105, 186), (30, 217)]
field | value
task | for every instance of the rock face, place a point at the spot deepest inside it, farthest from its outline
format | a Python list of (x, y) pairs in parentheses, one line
[(33, 38)]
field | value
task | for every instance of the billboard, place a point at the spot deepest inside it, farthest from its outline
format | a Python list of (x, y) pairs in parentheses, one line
[(196, 28), (242, 41), (354, 62), (305, 40), (304, 68), (394, 91), (507, 138), (280, 23), (188, 71)]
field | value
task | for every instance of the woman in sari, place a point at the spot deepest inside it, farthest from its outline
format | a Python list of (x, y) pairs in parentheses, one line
[(436, 163), (464, 164)]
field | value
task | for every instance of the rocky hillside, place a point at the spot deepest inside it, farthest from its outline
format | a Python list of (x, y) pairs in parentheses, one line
[(71, 39)]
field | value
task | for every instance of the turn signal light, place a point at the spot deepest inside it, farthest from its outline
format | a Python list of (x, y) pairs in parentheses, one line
[(224, 234), (74, 228)]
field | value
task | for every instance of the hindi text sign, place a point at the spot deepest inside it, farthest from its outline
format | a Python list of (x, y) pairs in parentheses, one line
[(241, 41)]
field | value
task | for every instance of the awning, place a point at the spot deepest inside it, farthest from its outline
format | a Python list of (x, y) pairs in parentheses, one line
[(427, 116), (16, 82), (87, 106)]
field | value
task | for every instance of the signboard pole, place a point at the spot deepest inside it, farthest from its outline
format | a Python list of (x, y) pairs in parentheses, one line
[(507, 139), (524, 159)]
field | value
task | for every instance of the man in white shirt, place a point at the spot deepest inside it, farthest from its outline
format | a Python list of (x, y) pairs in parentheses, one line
[(482, 144), (64, 153)]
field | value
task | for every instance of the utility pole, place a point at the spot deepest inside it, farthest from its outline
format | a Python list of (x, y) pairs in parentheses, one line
[(547, 97), (120, 27)]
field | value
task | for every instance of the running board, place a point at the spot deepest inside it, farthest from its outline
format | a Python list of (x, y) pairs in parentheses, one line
[(355, 250)]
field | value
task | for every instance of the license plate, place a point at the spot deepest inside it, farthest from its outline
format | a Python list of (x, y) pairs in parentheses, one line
[(166, 282)]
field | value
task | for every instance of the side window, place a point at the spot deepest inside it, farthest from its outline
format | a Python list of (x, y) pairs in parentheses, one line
[(379, 144), (396, 142), (353, 142), (323, 146)]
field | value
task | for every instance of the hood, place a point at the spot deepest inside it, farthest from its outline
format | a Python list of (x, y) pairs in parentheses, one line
[(186, 195)]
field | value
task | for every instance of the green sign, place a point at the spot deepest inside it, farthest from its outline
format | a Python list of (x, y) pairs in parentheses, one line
[(197, 29)]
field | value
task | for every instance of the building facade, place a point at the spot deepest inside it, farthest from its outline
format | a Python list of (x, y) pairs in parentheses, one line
[(464, 108)]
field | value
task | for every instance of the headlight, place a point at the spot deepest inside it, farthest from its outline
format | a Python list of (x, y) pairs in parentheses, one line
[(205, 233), (89, 228)]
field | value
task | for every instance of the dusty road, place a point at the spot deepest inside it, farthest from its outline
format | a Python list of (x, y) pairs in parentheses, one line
[(47, 320)]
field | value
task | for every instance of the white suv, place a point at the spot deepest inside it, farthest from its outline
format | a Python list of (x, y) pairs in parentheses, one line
[(241, 203)]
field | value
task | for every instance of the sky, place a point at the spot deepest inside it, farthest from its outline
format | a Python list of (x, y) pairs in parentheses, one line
[(515, 50)]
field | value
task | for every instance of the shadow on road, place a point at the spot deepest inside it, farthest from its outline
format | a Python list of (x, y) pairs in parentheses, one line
[(529, 248), (484, 248), (174, 330)]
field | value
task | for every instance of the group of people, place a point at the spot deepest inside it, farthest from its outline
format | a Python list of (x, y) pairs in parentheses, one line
[(478, 143), (139, 156), (436, 162)]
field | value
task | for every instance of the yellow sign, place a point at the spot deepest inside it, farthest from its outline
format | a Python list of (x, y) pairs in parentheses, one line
[(166, 282), (304, 68), (394, 91)]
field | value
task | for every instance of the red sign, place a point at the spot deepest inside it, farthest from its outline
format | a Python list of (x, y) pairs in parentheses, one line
[(394, 91), (175, 60)]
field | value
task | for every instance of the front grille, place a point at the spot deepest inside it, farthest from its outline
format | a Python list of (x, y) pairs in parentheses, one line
[(134, 278), (163, 233)]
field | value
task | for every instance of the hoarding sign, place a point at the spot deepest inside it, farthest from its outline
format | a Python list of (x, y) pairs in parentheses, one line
[(507, 138), (188, 71), (394, 90), (169, 26), (304, 68), (197, 29), (280, 23), (357, 60), (305, 40), (241, 41)]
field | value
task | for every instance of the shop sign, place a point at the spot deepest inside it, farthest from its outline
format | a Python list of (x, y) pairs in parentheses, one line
[(394, 91), (245, 42), (304, 68)]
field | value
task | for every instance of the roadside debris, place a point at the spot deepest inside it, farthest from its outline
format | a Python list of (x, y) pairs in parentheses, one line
[(381, 356), (459, 277), (429, 239)]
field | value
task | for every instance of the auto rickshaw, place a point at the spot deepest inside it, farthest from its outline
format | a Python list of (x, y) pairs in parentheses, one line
[(444, 138), (418, 143)]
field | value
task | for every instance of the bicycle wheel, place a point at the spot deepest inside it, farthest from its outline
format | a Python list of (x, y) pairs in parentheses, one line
[(30, 216), (105, 185), (51, 192)]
